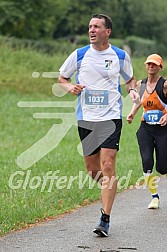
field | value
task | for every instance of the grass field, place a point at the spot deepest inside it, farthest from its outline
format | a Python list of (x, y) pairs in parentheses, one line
[(28, 195)]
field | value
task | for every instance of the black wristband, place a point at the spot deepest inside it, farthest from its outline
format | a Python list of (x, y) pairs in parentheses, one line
[(132, 89)]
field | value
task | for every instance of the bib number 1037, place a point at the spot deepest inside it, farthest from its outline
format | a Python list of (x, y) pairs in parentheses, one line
[(96, 97)]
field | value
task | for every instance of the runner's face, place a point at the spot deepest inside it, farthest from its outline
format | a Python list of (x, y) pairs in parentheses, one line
[(152, 68), (98, 33)]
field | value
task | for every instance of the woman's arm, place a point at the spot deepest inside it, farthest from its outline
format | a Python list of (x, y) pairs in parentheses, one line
[(133, 112), (165, 88), (135, 106)]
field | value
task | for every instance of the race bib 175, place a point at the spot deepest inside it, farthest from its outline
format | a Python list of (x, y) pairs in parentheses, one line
[(153, 116)]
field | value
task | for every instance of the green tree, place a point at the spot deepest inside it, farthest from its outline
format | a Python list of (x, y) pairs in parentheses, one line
[(75, 16), (36, 19), (27, 18)]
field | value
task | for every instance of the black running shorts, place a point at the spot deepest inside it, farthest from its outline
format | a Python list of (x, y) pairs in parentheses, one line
[(97, 135)]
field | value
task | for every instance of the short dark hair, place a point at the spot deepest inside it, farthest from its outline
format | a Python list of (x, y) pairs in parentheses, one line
[(107, 19)]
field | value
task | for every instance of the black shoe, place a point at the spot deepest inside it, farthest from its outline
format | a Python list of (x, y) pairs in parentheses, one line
[(103, 226)]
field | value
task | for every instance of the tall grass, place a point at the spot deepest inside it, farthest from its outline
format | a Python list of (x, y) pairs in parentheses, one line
[(25, 202)]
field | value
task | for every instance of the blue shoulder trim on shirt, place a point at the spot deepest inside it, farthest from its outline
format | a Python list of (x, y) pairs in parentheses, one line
[(81, 52), (121, 56), (120, 53)]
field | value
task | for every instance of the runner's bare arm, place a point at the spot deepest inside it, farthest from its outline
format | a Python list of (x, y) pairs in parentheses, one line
[(68, 86), (131, 89), (165, 88), (163, 120), (135, 106)]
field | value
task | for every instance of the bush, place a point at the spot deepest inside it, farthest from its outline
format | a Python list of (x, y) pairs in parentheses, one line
[(117, 42), (63, 46), (140, 46)]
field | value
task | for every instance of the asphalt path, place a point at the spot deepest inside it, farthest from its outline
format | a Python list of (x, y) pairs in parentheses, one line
[(133, 228)]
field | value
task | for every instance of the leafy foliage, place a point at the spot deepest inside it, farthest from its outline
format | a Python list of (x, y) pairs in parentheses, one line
[(27, 18), (54, 19)]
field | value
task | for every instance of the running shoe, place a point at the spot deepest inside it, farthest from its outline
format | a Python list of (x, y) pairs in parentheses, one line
[(154, 204), (103, 226)]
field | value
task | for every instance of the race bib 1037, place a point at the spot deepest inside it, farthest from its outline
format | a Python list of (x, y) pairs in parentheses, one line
[(96, 98)]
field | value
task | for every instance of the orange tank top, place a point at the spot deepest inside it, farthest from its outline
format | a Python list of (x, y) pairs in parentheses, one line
[(153, 106)]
